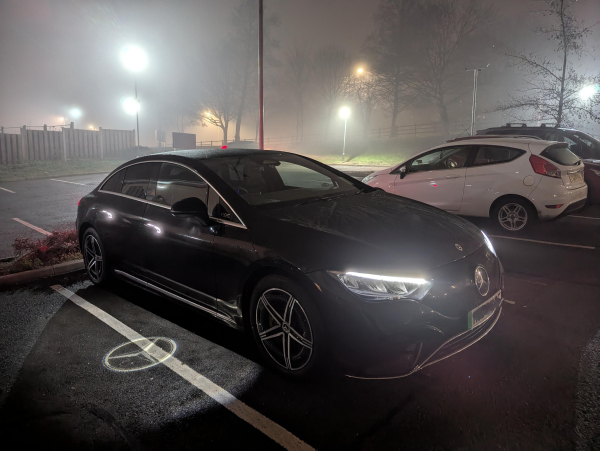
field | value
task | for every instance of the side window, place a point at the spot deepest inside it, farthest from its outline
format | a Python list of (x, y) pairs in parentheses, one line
[(296, 176), (494, 154), (588, 148), (113, 184), (217, 208), (176, 182), (136, 180), (446, 158)]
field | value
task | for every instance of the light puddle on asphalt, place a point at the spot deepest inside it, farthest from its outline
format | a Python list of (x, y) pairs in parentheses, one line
[(156, 353)]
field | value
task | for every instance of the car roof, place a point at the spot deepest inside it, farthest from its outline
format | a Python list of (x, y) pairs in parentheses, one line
[(507, 140), (208, 154), (518, 127)]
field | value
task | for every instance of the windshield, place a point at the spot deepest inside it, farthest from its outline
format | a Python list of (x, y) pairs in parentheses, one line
[(268, 179)]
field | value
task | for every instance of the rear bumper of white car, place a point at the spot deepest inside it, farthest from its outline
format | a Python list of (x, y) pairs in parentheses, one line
[(548, 194)]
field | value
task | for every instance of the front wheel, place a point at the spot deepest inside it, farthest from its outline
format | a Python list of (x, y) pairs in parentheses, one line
[(287, 327), (513, 214), (94, 257)]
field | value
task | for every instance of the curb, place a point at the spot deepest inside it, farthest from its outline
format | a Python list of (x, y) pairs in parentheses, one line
[(48, 271)]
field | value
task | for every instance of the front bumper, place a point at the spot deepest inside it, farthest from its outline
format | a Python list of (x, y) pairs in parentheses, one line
[(388, 339), (447, 349)]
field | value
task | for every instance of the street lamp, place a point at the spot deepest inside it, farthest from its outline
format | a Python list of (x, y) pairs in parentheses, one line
[(75, 113), (360, 71), (131, 105), (588, 92), (474, 106), (135, 60), (344, 114)]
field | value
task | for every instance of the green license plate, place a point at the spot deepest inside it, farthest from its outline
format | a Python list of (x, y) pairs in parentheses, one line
[(481, 313)]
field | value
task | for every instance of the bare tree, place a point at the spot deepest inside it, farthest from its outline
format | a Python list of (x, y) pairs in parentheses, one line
[(444, 27), (297, 73), (391, 54), (332, 68), (219, 100), (245, 47), (552, 86)]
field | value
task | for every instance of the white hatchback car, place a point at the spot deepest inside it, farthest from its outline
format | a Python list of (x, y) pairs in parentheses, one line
[(513, 180)]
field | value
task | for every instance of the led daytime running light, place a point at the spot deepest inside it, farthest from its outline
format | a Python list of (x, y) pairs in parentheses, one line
[(387, 278)]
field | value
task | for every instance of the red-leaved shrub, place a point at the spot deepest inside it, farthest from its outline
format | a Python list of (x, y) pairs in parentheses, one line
[(56, 248)]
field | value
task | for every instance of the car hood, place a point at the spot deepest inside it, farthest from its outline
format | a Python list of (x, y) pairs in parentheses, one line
[(367, 232)]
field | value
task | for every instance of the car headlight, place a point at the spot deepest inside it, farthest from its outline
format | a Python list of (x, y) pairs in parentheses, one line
[(372, 287), (488, 243), (593, 170), (368, 178)]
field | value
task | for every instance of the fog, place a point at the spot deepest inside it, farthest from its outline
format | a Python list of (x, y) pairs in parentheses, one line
[(56, 55)]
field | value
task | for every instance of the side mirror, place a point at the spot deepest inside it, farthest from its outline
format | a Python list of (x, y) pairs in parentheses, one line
[(192, 206), (403, 172)]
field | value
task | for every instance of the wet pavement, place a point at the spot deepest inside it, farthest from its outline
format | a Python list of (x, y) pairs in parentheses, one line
[(532, 383)]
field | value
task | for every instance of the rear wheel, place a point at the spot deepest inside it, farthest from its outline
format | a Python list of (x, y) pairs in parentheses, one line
[(94, 257), (513, 214), (287, 327)]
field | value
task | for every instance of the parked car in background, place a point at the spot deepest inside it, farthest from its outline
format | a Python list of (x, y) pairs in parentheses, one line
[(581, 144), (513, 180)]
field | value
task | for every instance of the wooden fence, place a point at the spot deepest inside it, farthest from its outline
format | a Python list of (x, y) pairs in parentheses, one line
[(70, 143)]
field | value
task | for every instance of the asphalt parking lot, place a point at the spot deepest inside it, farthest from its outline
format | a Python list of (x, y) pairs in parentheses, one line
[(71, 377)]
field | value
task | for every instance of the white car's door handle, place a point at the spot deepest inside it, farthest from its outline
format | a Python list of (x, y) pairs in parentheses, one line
[(452, 176)]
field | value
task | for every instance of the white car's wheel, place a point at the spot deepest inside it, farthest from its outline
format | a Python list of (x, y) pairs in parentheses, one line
[(513, 214)]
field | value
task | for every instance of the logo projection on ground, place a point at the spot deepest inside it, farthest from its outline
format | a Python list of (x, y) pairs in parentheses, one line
[(134, 356)]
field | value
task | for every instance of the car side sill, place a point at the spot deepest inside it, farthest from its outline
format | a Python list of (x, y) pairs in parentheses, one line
[(213, 313)]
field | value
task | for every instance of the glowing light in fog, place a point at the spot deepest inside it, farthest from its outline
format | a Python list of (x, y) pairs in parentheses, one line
[(588, 92), (130, 105), (134, 58)]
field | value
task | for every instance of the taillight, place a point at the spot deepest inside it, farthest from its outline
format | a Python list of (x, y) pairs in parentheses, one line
[(78, 202), (544, 167)]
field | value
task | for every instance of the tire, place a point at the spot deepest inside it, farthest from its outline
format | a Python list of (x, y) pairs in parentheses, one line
[(287, 328), (94, 257), (513, 214)]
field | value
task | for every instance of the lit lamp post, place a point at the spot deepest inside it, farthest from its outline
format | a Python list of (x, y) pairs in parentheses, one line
[(344, 114), (588, 92), (135, 60), (75, 113)]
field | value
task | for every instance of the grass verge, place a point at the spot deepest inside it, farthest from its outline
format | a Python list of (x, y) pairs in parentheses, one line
[(384, 152), (43, 169)]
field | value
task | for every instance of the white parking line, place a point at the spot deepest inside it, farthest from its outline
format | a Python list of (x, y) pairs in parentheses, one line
[(542, 242), (222, 396), (4, 189), (31, 226), (64, 181), (583, 217)]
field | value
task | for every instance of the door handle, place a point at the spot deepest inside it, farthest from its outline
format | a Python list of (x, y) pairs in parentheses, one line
[(452, 176)]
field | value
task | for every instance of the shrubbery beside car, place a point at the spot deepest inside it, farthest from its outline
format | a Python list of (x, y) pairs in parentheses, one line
[(513, 180), (323, 271)]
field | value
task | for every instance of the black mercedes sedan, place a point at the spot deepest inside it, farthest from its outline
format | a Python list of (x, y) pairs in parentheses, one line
[(325, 272)]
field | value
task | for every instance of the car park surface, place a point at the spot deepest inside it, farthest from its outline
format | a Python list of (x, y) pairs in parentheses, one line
[(519, 387)]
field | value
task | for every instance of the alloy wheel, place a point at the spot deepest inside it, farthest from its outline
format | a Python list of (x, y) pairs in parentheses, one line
[(92, 255), (512, 216), (284, 329)]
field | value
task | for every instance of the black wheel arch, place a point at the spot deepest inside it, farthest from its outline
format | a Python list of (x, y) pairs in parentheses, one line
[(508, 197), (262, 269)]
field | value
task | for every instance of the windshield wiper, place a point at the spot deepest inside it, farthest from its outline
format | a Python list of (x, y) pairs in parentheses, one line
[(324, 198)]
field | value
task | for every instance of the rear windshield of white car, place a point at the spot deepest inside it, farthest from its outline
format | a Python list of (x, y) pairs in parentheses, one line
[(560, 153)]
